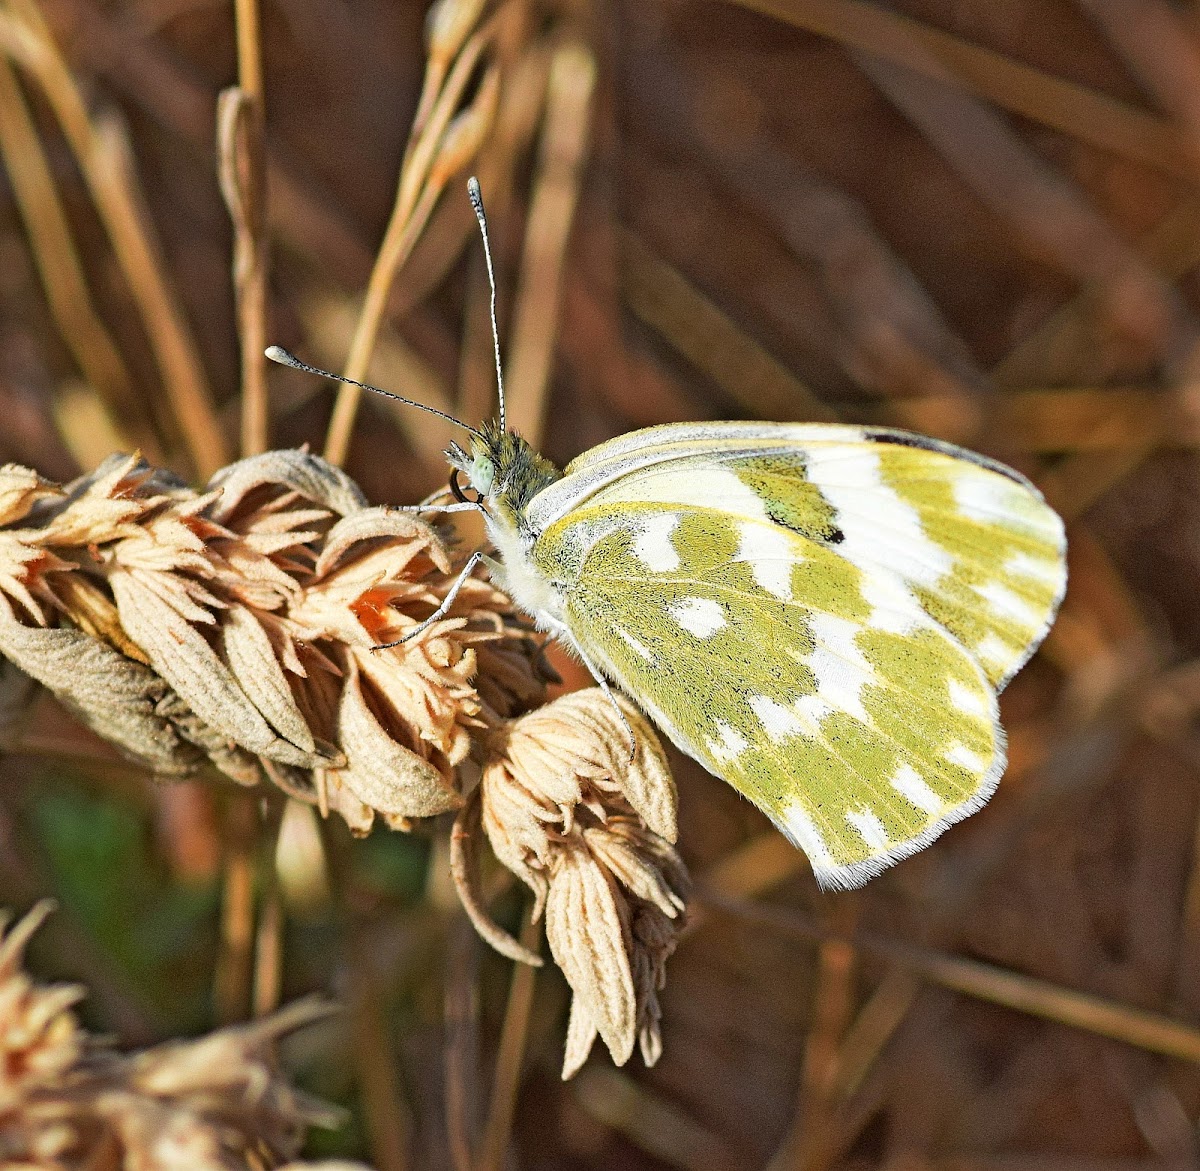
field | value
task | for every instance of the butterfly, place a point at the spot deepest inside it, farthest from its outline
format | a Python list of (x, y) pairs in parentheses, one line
[(821, 614)]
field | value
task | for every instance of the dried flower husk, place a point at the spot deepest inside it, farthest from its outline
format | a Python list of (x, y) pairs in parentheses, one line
[(590, 830), (240, 627), (67, 1100), (245, 627)]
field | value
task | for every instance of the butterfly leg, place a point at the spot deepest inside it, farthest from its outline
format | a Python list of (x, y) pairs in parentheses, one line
[(559, 630), (442, 610), (468, 506)]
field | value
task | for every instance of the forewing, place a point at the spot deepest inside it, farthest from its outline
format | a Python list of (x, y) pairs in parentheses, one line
[(819, 688), (972, 541)]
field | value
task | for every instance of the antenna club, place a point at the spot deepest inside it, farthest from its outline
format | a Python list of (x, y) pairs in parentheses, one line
[(280, 355), (475, 195)]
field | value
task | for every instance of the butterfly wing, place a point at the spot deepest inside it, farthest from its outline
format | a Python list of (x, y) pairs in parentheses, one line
[(822, 622), (971, 539)]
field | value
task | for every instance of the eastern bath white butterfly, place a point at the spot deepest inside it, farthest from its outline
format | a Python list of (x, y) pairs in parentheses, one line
[(823, 615)]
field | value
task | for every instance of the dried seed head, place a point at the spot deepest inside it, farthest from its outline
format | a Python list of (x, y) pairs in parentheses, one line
[(40, 1038), (212, 1104), (240, 626), (589, 831)]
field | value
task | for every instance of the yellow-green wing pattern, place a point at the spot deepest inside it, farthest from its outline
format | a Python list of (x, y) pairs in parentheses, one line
[(823, 621), (973, 540)]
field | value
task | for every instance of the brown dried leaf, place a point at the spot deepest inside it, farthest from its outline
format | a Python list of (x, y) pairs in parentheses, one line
[(581, 1036), (111, 694), (414, 536), (101, 506), (40, 1039), (251, 657), (646, 781), (587, 926), (181, 655), (626, 848), (312, 477), (464, 869), (20, 489), (382, 773), (92, 610)]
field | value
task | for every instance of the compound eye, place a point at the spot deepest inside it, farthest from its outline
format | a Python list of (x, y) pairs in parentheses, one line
[(483, 474)]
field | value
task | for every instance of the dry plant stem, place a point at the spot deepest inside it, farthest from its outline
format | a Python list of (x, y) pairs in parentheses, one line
[(235, 958), (384, 1105), (561, 157), (243, 181), (240, 146), (102, 151), (330, 321), (268, 954), (420, 185), (249, 50), (874, 1026), (507, 1077), (461, 1056), (653, 1123), (1160, 51), (268, 935), (832, 1013), (667, 302), (1143, 1030), (58, 263), (1077, 110), (1055, 350)]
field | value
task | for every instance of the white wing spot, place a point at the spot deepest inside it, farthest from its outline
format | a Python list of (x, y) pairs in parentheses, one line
[(812, 709), (1011, 605), (994, 649), (961, 755), (992, 499), (869, 826), (799, 829), (699, 616), (985, 496), (771, 554), (636, 646), (775, 718), (729, 744), (653, 547), (879, 529), (969, 701), (893, 608), (913, 788), (1045, 571), (842, 670)]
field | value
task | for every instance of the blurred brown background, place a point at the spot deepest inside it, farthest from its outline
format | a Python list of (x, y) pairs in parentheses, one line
[(975, 218)]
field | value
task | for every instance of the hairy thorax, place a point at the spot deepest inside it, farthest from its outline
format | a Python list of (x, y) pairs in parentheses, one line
[(519, 577)]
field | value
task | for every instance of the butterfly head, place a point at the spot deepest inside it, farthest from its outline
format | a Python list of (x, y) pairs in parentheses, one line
[(503, 469)]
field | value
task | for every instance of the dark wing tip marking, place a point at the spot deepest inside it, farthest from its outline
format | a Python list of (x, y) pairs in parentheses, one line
[(925, 443)]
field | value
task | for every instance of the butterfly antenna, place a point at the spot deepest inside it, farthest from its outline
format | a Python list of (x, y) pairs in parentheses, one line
[(476, 198), (280, 355)]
